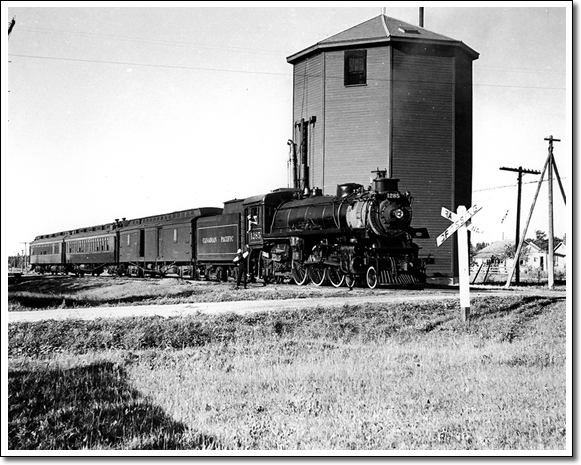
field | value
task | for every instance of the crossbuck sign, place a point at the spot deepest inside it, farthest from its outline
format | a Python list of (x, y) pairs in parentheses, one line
[(458, 221), (461, 222)]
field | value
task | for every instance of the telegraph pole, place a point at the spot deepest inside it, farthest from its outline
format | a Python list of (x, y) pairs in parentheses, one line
[(520, 170), (551, 163), (24, 258), (11, 26)]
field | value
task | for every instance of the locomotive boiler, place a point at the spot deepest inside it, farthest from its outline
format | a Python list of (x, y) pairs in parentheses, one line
[(358, 234)]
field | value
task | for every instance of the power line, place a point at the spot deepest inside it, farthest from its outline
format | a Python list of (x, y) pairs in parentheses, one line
[(262, 72), (510, 185), (520, 70), (198, 68), (252, 50), (150, 41)]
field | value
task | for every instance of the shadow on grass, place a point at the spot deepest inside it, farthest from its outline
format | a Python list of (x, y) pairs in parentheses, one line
[(521, 305), (51, 301), (60, 284), (90, 407)]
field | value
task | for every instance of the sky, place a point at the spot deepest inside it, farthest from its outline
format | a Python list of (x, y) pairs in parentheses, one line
[(117, 112)]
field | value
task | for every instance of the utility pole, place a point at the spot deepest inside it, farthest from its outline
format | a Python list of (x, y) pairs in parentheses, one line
[(24, 257), (520, 172), (11, 26), (549, 163)]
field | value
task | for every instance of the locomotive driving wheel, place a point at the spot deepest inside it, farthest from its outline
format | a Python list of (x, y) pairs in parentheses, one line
[(317, 275), (300, 275), (350, 281), (371, 277), (335, 276)]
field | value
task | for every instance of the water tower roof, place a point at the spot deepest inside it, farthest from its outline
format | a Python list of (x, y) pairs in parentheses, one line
[(381, 29)]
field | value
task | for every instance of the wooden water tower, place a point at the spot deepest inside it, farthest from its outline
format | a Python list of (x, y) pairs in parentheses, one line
[(391, 95)]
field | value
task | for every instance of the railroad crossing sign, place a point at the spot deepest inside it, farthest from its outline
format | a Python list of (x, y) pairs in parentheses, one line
[(458, 220), (461, 223)]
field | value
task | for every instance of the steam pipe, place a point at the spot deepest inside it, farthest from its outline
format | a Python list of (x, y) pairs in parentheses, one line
[(294, 168)]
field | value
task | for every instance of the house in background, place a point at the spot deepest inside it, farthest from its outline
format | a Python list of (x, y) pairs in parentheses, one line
[(560, 257), (494, 254), (532, 256)]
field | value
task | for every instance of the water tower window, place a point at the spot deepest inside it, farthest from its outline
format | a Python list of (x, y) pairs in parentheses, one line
[(355, 67)]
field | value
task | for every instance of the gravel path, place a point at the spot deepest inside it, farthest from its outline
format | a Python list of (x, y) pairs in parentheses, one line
[(247, 306)]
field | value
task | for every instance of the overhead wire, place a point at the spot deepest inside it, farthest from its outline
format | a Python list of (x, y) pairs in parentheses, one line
[(199, 68), (236, 49), (151, 41), (510, 185), (252, 50)]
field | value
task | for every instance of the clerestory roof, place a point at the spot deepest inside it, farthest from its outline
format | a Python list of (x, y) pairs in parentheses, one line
[(381, 29)]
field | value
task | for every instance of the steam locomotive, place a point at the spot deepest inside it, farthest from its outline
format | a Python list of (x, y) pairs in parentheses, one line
[(358, 235)]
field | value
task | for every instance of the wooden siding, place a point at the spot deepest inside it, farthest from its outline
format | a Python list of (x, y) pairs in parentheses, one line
[(356, 120), (423, 144), (463, 133)]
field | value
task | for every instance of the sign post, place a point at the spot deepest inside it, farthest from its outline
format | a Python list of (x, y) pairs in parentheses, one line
[(461, 223)]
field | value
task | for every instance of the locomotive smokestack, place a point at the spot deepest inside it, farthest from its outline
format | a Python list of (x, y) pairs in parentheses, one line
[(383, 184), (421, 17)]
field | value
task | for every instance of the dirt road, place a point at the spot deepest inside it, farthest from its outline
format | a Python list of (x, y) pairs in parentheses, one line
[(242, 307)]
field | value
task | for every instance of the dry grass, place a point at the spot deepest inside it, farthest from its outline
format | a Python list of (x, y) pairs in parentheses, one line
[(356, 377), (69, 292)]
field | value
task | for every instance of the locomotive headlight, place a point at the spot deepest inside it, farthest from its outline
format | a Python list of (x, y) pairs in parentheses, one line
[(398, 213)]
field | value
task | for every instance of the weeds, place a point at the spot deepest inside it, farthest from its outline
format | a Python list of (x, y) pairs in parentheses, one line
[(389, 376), (68, 292)]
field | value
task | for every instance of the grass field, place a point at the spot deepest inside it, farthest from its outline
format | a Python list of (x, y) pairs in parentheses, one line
[(368, 377), (69, 292)]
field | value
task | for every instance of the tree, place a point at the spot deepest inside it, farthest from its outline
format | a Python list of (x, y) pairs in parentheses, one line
[(541, 240), (474, 249), (480, 245), (508, 252)]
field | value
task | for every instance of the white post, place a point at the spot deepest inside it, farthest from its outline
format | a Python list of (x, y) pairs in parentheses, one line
[(463, 267), (461, 223)]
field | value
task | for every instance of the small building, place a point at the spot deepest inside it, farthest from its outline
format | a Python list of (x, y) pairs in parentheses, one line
[(386, 94), (495, 254), (534, 256), (560, 258)]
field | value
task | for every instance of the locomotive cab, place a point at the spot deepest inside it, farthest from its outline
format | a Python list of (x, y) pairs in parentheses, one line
[(258, 215)]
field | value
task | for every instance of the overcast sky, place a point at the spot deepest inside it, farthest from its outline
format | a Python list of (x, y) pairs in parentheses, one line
[(129, 112)]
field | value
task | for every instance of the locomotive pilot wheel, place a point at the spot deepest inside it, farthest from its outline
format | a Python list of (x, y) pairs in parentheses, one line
[(371, 277), (335, 276)]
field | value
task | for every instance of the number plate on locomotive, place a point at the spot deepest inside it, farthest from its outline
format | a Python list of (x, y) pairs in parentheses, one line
[(255, 235)]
